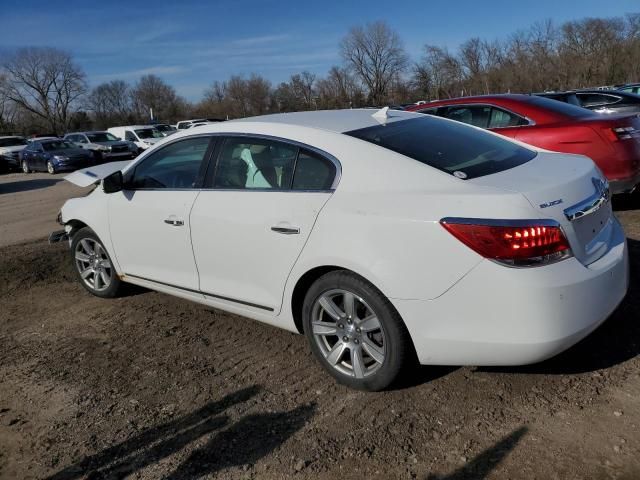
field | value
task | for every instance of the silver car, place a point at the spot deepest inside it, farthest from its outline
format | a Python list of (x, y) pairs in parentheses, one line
[(105, 146)]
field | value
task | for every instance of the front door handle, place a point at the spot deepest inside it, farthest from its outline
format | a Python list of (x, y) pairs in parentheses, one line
[(174, 221), (286, 230)]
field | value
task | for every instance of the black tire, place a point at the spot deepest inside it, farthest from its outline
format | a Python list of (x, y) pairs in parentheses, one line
[(398, 348), (115, 287), (25, 167)]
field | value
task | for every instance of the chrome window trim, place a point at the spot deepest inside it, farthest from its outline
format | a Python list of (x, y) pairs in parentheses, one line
[(322, 153)]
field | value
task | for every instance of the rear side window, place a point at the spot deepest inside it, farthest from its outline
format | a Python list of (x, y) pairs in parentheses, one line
[(451, 147), (476, 115), (503, 119), (313, 172), (597, 99)]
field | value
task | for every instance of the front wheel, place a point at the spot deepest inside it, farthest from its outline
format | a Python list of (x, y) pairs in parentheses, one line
[(355, 332), (93, 265), (51, 167), (25, 167)]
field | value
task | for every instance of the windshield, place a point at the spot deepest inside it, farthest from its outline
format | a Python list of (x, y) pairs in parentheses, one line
[(101, 137), (560, 107), (12, 142), (452, 147), (149, 133), (164, 128), (57, 145)]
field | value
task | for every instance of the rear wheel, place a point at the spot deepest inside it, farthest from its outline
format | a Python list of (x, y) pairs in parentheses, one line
[(355, 332), (25, 167), (93, 265), (51, 167)]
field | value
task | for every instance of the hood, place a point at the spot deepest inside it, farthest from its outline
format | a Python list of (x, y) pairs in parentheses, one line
[(91, 175), (69, 152), (151, 140)]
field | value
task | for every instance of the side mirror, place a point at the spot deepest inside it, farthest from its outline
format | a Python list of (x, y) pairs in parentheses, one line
[(113, 183)]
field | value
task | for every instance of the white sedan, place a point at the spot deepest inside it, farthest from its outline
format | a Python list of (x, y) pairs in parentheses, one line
[(385, 237)]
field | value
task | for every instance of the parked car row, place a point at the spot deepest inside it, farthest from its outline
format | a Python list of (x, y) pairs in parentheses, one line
[(611, 141)]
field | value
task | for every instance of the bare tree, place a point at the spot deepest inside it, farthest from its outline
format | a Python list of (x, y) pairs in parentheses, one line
[(376, 55), (152, 93), (44, 82), (111, 103)]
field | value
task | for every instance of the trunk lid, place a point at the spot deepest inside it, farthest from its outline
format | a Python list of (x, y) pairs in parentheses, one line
[(568, 189)]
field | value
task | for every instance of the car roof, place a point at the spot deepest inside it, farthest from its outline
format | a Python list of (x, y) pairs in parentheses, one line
[(338, 121), (133, 126), (10, 136)]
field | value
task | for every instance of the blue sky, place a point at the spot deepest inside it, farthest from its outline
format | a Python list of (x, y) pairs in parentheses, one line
[(192, 43)]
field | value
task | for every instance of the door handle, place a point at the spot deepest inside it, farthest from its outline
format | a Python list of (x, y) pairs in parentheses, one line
[(286, 230), (174, 222)]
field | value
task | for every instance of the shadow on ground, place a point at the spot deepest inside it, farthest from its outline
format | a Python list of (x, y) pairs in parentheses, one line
[(484, 463), (27, 185), (230, 444), (614, 342)]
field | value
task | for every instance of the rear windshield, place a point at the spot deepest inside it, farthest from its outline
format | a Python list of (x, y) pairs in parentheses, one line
[(560, 107), (57, 145), (452, 147), (101, 137)]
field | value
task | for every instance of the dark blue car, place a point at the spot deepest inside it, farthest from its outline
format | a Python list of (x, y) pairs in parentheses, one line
[(54, 155)]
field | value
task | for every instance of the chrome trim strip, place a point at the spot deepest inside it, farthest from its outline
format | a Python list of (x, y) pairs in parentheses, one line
[(212, 295), (591, 204), (500, 223)]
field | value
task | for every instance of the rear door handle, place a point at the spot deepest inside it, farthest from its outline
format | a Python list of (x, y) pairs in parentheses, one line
[(286, 230), (174, 221)]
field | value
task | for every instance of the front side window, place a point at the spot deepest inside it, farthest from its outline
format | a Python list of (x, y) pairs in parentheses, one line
[(253, 163), (476, 115), (129, 136), (175, 166), (451, 147), (503, 119)]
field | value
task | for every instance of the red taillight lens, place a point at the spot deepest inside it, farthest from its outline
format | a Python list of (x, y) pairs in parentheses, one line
[(516, 243)]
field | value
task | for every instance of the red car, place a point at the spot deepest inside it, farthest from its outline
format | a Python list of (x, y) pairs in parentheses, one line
[(612, 142)]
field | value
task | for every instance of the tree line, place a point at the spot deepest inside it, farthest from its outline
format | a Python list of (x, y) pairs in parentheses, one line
[(43, 89)]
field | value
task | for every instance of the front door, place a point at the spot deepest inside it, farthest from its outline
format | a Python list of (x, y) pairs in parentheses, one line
[(149, 220)]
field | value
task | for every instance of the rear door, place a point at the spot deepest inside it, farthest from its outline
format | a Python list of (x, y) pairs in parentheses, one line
[(250, 225)]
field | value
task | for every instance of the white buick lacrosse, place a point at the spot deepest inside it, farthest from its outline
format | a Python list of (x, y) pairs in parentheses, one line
[(385, 237)]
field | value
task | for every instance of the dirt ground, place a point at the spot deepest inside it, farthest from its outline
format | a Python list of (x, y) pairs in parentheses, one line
[(150, 386)]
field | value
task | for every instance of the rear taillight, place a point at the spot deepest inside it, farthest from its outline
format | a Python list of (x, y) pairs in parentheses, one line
[(516, 243), (622, 133)]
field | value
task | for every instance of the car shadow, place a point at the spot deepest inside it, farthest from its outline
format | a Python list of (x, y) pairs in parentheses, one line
[(616, 341), (27, 185), (626, 201), (231, 444), (484, 463)]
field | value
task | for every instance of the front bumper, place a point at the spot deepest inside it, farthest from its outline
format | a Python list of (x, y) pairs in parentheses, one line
[(508, 316)]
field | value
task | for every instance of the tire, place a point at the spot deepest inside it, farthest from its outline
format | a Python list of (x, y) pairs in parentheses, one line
[(93, 266), (25, 167), (51, 167), (365, 355)]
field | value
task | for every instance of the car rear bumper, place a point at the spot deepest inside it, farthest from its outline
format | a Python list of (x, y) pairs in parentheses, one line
[(508, 316)]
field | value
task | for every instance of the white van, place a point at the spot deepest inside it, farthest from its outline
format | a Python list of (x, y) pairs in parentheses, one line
[(142, 135)]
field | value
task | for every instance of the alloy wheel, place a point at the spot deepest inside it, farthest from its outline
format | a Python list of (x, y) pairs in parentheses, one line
[(50, 168), (348, 333), (93, 264)]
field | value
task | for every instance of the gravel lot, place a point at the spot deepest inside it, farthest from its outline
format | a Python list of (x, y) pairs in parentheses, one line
[(150, 386)]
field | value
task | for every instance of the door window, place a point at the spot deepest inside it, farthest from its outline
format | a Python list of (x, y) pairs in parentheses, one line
[(254, 163), (476, 115), (176, 166), (130, 136), (502, 119)]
